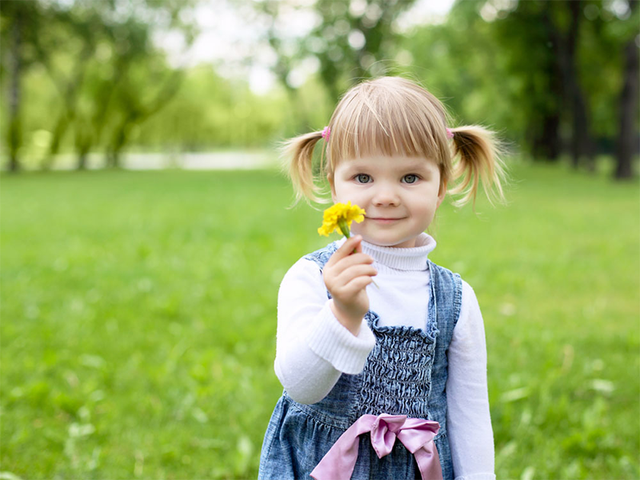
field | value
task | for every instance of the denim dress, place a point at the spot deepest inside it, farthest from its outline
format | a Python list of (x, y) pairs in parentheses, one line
[(405, 374)]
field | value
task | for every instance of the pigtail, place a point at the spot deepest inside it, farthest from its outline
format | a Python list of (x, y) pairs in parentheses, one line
[(478, 153), (298, 153)]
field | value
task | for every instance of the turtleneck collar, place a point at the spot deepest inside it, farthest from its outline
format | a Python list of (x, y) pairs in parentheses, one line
[(405, 259)]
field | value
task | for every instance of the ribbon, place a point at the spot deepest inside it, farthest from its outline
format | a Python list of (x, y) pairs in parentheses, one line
[(415, 434)]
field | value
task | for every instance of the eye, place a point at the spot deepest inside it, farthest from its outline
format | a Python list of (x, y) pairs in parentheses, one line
[(363, 178), (410, 178)]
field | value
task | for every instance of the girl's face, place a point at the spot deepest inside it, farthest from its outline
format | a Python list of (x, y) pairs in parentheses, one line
[(399, 194)]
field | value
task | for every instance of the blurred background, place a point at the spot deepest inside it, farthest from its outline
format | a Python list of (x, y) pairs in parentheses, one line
[(90, 83), (145, 226)]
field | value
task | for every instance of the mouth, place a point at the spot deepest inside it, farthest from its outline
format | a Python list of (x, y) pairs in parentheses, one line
[(384, 219)]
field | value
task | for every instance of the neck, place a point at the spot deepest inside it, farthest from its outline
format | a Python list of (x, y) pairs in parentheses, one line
[(402, 259)]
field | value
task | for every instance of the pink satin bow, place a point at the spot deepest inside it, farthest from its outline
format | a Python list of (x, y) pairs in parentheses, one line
[(415, 434)]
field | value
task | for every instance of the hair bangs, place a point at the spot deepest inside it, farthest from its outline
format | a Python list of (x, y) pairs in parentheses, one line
[(377, 120)]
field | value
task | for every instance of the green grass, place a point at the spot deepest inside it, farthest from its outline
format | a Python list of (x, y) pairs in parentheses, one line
[(138, 320)]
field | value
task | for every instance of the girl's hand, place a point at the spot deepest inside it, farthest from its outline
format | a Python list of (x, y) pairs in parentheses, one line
[(346, 276)]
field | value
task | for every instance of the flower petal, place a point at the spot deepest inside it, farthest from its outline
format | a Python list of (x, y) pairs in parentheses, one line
[(340, 212)]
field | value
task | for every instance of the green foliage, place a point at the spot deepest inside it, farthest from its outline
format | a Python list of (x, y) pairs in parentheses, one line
[(207, 111), (93, 79), (210, 110), (138, 320), (504, 71), (460, 63), (107, 71), (352, 37)]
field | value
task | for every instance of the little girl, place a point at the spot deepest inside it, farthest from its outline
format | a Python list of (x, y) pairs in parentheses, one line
[(384, 381)]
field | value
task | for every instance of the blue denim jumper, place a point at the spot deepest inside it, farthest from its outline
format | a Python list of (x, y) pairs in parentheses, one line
[(405, 374)]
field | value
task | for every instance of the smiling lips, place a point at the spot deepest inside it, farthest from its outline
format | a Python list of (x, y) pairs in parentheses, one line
[(383, 219)]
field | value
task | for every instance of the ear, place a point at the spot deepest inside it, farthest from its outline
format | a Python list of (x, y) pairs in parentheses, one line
[(442, 192), (330, 178)]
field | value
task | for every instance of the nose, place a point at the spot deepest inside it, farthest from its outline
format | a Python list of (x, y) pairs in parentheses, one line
[(386, 196)]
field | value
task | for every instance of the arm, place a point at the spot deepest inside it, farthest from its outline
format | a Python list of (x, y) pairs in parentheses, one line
[(313, 348), (468, 416)]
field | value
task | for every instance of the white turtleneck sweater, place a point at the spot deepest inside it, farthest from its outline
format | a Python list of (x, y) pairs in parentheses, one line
[(314, 348)]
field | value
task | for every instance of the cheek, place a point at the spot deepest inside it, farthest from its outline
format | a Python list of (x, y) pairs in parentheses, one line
[(356, 227), (344, 193), (428, 211)]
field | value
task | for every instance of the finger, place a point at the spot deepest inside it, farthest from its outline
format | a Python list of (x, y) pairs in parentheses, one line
[(351, 260), (337, 283), (358, 248), (354, 272), (356, 285), (332, 273), (346, 249)]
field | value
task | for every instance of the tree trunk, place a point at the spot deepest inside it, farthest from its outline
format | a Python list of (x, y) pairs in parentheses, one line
[(582, 145), (15, 124), (547, 144), (581, 142), (83, 150), (119, 141), (136, 113), (56, 139), (626, 143)]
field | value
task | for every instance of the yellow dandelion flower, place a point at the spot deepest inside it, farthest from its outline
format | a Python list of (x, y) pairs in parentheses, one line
[(339, 217)]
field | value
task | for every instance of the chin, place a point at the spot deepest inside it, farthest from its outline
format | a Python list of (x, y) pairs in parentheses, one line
[(385, 242)]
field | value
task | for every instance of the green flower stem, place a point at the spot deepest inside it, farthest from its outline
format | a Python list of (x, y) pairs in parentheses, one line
[(344, 228)]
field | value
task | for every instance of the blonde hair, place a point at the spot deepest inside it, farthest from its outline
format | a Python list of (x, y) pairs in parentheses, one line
[(394, 116)]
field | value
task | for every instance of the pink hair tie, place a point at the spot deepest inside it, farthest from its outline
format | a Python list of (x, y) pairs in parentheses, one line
[(449, 133), (325, 133)]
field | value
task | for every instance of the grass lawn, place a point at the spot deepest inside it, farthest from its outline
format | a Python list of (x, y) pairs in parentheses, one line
[(138, 320)]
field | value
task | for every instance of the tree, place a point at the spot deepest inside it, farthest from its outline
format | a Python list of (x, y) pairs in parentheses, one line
[(462, 62), (353, 38), (19, 24), (69, 39), (285, 61), (541, 40), (627, 139), (135, 81), (566, 43), (68, 30), (350, 41), (146, 85)]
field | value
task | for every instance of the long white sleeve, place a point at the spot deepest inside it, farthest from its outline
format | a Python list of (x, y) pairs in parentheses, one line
[(468, 416), (313, 348)]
